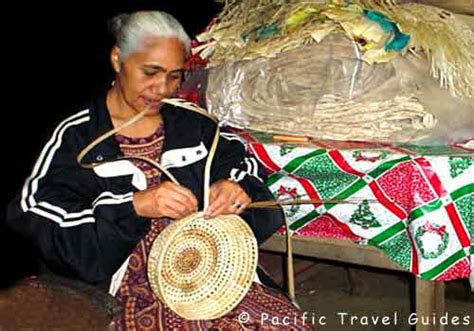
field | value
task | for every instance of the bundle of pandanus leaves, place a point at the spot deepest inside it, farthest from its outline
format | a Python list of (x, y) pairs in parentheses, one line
[(381, 30)]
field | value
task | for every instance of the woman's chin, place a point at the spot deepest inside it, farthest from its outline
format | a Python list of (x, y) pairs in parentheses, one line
[(152, 106)]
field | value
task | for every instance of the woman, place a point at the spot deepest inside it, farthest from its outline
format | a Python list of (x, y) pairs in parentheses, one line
[(98, 225)]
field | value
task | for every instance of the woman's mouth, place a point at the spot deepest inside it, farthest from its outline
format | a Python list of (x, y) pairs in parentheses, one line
[(152, 102)]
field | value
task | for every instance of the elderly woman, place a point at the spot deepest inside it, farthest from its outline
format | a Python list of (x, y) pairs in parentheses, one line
[(98, 225)]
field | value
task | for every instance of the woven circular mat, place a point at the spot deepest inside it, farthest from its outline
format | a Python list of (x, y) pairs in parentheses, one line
[(202, 269)]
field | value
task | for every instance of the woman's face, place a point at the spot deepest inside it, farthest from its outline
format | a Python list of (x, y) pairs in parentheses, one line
[(152, 73)]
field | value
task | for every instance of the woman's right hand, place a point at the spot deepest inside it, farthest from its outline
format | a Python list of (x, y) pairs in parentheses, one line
[(165, 200)]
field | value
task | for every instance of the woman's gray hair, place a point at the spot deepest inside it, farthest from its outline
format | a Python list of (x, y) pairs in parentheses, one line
[(131, 30)]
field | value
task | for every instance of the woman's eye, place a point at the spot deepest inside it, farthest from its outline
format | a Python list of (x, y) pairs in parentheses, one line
[(149, 72), (176, 77)]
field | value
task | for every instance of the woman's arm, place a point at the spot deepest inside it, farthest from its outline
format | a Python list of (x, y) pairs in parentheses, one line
[(79, 228)]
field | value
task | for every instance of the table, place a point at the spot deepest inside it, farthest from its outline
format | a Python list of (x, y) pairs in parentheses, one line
[(398, 207), (429, 295)]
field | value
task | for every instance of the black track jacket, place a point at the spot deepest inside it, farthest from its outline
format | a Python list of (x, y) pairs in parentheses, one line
[(82, 221)]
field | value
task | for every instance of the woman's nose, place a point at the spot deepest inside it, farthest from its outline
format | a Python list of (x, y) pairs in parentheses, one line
[(159, 86)]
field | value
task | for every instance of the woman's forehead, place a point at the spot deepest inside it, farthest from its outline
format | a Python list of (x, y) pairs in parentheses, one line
[(162, 51)]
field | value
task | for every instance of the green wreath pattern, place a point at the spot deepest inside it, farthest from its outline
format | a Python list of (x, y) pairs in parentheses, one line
[(441, 248)]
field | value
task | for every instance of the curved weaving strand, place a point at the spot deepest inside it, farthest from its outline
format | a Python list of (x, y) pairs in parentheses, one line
[(200, 268)]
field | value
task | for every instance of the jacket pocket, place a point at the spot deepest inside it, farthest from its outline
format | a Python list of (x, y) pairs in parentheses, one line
[(180, 157)]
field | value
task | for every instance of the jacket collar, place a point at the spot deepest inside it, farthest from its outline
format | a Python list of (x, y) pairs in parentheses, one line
[(178, 123)]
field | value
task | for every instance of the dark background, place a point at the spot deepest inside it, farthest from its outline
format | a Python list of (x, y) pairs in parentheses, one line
[(56, 54)]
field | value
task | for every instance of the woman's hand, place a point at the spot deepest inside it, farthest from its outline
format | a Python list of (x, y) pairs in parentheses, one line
[(226, 197), (165, 200)]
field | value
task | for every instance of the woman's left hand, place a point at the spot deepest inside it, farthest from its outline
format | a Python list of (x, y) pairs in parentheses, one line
[(226, 197)]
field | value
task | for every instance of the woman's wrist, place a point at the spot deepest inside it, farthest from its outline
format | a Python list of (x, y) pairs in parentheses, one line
[(141, 204)]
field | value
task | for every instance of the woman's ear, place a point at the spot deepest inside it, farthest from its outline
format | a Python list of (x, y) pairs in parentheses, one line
[(115, 58)]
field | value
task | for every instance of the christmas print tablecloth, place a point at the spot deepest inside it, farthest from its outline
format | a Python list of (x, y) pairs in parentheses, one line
[(415, 203)]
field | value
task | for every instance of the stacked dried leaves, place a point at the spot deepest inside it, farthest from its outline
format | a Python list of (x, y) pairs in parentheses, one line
[(248, 29)]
